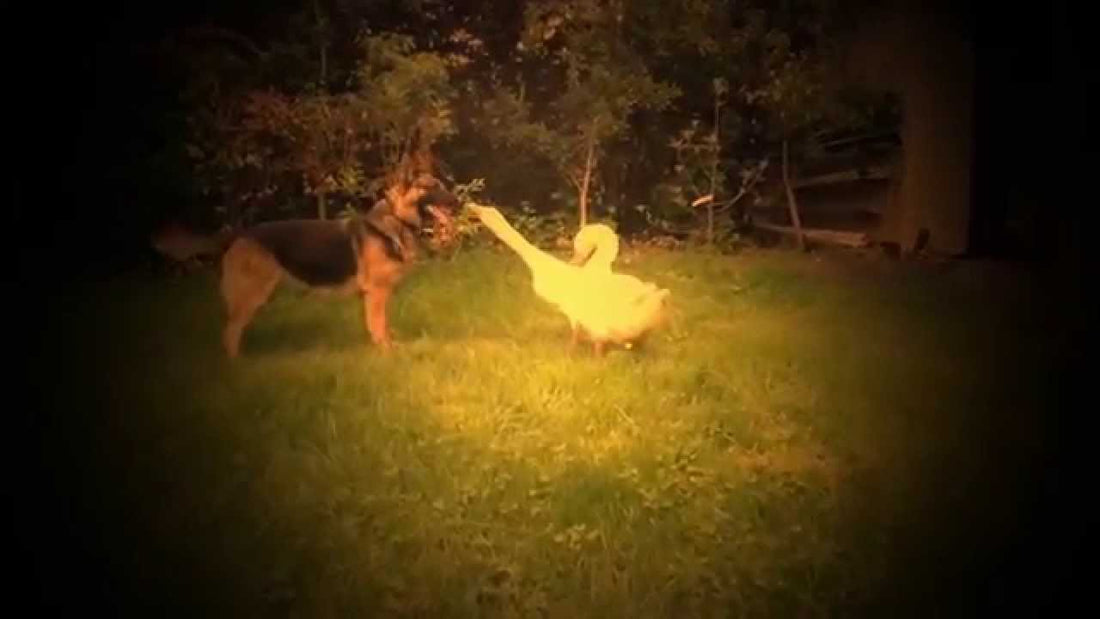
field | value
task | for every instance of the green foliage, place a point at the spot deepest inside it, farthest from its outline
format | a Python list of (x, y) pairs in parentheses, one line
[(602, 82), (249, 144), (235, 162), (466, 226), (403, 96), (698, 187), (614, 98), (554, 230), (349, 143), (798, 88)]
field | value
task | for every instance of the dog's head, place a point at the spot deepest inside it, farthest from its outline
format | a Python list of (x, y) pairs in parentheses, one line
[(421, 198)]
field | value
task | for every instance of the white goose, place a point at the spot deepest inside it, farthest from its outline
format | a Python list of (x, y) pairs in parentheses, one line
[(606, 306), (595, 247)]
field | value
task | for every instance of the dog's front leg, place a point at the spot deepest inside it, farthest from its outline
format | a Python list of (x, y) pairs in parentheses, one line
[(374, 302)]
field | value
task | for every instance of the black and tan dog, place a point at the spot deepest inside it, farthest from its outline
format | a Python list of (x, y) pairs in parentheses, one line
[(368, 254)]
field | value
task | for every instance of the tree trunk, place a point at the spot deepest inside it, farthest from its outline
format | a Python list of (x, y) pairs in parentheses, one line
[(714, 171), (832, 237), (710, 210), (587, 176), (321, 44), (923, 58), (792, 204), (322, 201)]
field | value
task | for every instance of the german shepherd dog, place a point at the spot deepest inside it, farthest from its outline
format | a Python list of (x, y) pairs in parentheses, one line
[(368, 254)]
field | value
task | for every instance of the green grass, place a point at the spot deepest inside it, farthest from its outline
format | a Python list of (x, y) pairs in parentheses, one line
[(797, 442)]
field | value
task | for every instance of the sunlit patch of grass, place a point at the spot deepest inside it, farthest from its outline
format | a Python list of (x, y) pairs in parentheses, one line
[(737, 464)]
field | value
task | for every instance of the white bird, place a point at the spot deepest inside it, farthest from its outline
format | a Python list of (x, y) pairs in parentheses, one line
[(606, 306), (595, 247)]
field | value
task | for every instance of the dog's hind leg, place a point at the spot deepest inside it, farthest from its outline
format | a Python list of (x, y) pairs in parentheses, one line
[(249, 276)]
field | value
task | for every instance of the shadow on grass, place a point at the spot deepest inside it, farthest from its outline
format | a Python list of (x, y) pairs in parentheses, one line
[(263, 338)]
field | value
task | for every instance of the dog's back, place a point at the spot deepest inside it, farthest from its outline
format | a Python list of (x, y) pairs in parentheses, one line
[(317, 252)]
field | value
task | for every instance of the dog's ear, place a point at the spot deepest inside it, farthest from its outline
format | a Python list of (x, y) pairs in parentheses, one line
[(398, 192), (414, 163), (422, 163), (419, 158), (426, 182), (397, 179)]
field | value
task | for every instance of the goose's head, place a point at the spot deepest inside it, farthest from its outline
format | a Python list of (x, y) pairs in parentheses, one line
[(595, 245)]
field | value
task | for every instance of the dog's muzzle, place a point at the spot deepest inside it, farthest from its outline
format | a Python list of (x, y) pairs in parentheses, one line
[(441, 206)]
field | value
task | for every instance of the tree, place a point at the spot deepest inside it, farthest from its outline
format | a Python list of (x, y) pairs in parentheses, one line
[(704, 166), (334, 144), (801, 94), (587, 84), (349, 143), (795, 99), (922, 54), (403, 102), (234, 163)]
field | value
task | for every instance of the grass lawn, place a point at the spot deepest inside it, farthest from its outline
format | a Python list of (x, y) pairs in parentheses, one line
[(806, 438)]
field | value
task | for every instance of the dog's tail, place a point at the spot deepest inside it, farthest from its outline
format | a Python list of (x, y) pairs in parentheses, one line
[(181, 244)]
